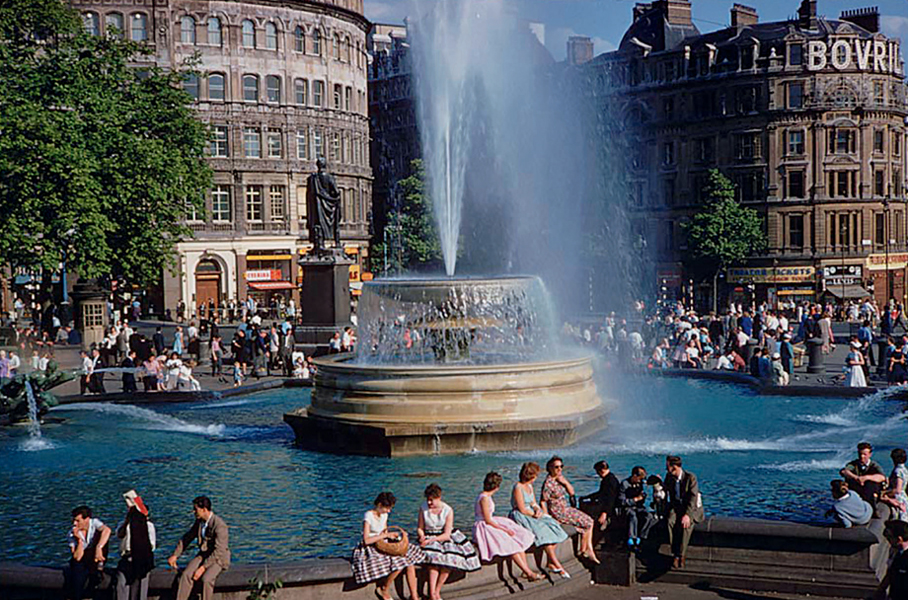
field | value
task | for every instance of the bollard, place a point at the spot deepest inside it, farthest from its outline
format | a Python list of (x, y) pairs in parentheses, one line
[(815, 356)]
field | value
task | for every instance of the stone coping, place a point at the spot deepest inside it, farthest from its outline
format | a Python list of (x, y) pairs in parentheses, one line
[(826, 391), (343, 363)]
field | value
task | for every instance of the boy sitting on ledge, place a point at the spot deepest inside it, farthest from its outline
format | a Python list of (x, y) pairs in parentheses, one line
[(849, 508)]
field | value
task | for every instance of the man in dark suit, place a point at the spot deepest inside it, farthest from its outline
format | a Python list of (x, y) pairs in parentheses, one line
[(607, 495), (158, 341), (685, 507), (210, 531)]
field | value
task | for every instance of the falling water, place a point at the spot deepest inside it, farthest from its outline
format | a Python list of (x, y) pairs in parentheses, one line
[(34, 425)]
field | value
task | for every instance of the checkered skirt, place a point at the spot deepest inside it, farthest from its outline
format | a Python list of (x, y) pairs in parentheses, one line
[(369, 564)]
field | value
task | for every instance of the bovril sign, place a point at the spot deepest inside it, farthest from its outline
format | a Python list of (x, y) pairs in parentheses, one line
[(877, 56)]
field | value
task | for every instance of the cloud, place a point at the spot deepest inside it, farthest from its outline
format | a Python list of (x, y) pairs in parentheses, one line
[(556, 41), (894, 26)]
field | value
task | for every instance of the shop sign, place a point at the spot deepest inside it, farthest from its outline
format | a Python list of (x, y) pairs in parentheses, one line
[(896, 260), (879, 56), (264, 275), (771, 274), (834, 275)]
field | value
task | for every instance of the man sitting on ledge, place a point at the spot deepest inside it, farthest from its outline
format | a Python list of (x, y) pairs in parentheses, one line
[(210, 531), (685, 507), (864, 475), (849, 508)]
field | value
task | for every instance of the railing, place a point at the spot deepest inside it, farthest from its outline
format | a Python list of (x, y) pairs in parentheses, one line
[(268, 227)]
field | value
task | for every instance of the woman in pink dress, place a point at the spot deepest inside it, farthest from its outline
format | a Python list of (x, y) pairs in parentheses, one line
[(555, 493), (498, 536)]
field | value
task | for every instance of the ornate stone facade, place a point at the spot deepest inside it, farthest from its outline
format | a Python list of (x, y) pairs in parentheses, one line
[(283, 83), (806, 116)]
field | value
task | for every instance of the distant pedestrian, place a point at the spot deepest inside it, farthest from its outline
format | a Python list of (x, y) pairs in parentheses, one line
[(129, 376)]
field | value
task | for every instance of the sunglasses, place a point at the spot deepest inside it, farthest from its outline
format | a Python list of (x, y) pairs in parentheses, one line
[(557, 466)]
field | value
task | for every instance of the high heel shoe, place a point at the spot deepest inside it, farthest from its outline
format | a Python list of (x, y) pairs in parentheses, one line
[(562, 573), (533, 576)]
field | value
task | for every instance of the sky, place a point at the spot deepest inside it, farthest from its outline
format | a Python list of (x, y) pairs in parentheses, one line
[(605, 21)]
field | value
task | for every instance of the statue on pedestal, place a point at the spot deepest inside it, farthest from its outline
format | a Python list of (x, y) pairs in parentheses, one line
[(323, 208)]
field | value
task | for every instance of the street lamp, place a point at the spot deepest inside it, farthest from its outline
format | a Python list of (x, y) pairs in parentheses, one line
[(67, 235), (888, 278), (843, 231)]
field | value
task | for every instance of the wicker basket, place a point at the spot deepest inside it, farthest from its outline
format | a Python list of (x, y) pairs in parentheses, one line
[(394, 547)]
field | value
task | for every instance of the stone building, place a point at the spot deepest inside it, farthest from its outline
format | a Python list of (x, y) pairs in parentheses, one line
[(283, 83), (807, 117)]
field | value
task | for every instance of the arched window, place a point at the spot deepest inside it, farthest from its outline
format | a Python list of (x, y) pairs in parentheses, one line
[(250, 88), (139, 27), (299, 39), (301, 87), (187, 30), (113, 25), (349, 50), (271, 36), (248, 34), (273, 88), (335, 47), (317, 42), (191, 85), (92, 23), (214, 31), (216, 87)]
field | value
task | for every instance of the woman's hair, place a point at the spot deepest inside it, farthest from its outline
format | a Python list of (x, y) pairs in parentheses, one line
[(528, 471), (385, 499), (550, 466), (433, 490), (491, 482), (899, 456)]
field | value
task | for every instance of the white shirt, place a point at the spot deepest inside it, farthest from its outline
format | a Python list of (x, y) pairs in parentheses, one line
[(376, 523), (14, 362), (435, 522), (42, 363), (93, 526)]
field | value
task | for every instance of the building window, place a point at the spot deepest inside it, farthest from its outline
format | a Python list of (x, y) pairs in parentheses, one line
[(796, 232), (706, 150), (749, 186), (318, 93), (302, 148), (337, 96), (896, 144), (191, 85), (216, 86), (316, 42), (250, 88), (252, 142), (348, 98), (796, 95), (746, 100), (748, 146), (139, 27), (273, 88), (879, 96), (248, 34), (219, 141), (796, 184), (335, 47), (795, 53), (214, 31), (843, 184), (113, 25), (796, 141), (668, 192), (349, 51), (878, 140), (896, 189), (92, 23), (841, 141), (271, 36), (276, 202), (301, 88), (299, 39), (253, 203), (275, 144), (187, 30), (220, 204), (318, 143), (335, 147), (668, 153), (879, 183)]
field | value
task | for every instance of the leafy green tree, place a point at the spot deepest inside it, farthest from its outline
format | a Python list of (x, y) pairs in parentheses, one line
[(101, 161), (412, 241), (723, 232)]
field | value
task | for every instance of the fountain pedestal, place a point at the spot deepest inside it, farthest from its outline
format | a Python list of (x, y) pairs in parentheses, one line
[(324, 298)]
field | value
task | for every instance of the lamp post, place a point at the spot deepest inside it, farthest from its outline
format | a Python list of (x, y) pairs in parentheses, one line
[(68, 236), (886, 221), (843, 231)]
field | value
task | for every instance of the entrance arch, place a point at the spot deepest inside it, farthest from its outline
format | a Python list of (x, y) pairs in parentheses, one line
[(208, 282)]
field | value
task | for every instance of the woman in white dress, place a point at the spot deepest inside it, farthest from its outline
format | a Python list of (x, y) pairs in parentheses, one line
[(855, 367), (446, 548)]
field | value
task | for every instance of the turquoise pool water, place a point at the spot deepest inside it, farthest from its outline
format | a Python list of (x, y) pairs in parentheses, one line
[(768, 457)]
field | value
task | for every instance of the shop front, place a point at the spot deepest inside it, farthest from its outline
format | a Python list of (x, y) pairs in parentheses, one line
[(844, 282), (269, 279), (773, 285), (887, 274)]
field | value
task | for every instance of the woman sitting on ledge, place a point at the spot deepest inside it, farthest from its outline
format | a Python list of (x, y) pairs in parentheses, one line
[(555, 493), (498, 536), (526, 512), (370, 564), (446, 548)]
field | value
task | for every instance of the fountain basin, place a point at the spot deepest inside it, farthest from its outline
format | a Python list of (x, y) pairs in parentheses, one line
[(397, 410)]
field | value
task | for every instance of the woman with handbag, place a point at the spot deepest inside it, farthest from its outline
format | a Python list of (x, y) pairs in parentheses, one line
[(498, 536), (383, 554), (555, 493), (446, 548)]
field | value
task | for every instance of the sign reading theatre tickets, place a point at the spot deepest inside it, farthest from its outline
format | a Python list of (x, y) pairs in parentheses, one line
[(877, 56), (771, 275)]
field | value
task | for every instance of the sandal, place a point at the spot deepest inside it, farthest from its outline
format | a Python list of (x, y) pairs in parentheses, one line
[(532, 576), (562, 573)]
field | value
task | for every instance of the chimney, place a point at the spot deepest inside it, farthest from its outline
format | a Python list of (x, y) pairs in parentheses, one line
[(743, 16), (866, 18), (579, 50), (676, 12), (807, 14)]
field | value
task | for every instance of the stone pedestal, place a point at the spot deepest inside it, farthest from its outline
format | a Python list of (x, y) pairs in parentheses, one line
[(90, 312), (324, 298)]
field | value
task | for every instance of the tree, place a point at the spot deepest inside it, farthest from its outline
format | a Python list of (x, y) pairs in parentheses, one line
[(723, 232), (412, 224), (101, 161)]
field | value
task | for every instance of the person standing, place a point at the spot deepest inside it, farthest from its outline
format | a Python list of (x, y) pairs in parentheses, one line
[(211, 533), (85, 378), (894, 585), (158, 340), (217, 355), (854, 363), (96, 380), (178, 341), (88, 547), (129, 377), (685, 507), (137, 545)]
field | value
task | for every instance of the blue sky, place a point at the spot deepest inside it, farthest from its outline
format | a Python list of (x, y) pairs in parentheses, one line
[(606, 20)]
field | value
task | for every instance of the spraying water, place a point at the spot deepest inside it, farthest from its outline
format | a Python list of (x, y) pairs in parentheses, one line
[(148, 419)]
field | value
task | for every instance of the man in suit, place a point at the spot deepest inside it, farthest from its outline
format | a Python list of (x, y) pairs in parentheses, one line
[(607, 495), (210, 531), (685, 507), (158, 341)]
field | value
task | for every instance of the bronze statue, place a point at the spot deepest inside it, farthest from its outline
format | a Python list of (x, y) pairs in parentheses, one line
[(323, 208)]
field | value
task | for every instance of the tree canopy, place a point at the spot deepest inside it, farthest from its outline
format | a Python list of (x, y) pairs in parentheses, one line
[(101, 154)]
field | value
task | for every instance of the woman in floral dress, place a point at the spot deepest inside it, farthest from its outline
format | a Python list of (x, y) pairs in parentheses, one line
[(555, 493), (895, 496)]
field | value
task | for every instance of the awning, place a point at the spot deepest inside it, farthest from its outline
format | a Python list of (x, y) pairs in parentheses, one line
[(848, 291), (795, 293), (271, 285)]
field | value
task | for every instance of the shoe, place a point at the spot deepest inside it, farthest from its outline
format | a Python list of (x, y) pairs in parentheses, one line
[(562, 573), (676, 562), (681, 563)]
